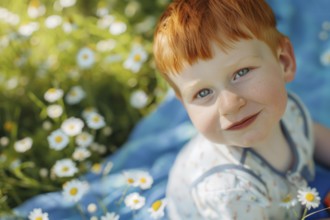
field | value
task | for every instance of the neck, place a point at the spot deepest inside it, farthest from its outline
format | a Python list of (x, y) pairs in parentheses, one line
[(276, 150)]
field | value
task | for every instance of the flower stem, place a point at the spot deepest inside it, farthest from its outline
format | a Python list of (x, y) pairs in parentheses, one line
[(83, 217), (122, 196), (314, 212)]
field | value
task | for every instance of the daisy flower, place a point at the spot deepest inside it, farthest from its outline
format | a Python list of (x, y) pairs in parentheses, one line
[(92, 207), (28, 29), (131, 178), (134, 201), (309, 197), (87, 111), (67, 3), (37, 214), (23, 145), (102, 9), (157, 209), (53, 21), (74, 190), (81, 154), (47, 125), (117, 28), (96, 168), (144, 180), (35, 9), (85, 58), (75, 95), (95, 121), (110, 216), (136, 58), (72, 126), (53, 94), (105, 21), (58, 140), (288, 202), (54, 111), (65, 168), (4, 141), (139, 99), (84, 139)]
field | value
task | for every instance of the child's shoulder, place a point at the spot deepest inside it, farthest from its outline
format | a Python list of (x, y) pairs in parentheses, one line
[(199, 156)]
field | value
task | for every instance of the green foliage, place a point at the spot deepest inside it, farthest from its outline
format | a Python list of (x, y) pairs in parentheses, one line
[(38, 53)]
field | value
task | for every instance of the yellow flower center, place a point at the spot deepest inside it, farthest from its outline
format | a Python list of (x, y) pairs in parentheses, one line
[(65, 169), (328, 57), (38, 218), (96, 168), (73, 93), (156, 205), (8, 126), (85, 57), (58, 139), (73, 191), (52, 90), (96, 119), (35, 4), (309, 197), (136, 201), (143, 180), (287, 199), (137, 57), (130, 180)]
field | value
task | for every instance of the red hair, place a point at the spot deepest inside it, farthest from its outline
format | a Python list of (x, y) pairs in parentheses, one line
[(187, 28)]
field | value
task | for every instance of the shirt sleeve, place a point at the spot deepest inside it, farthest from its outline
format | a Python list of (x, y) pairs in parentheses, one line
[(229, 195)]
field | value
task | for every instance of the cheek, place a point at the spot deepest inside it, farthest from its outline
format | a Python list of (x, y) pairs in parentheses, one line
[(275, 97), (204, 121)]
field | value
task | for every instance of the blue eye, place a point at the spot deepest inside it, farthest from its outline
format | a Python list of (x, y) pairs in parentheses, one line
[(241, 73), (203, 93)]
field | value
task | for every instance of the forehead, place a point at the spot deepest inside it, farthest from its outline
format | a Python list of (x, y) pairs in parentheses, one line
[(223, 58)]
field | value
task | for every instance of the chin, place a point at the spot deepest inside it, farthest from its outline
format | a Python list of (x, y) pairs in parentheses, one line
[(253, 139)]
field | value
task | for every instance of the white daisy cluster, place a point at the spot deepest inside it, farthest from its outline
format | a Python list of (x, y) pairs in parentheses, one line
[(308, 198), (139, 178)]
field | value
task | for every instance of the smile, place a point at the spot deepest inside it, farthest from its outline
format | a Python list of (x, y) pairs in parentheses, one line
[(243, 123)]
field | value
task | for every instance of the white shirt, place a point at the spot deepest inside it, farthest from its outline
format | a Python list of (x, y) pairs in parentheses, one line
[(212, 181)]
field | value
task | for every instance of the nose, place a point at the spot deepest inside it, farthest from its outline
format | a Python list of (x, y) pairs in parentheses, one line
[(230, 102)]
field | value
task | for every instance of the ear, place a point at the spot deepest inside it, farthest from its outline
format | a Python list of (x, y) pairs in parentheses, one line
[(287, 59)]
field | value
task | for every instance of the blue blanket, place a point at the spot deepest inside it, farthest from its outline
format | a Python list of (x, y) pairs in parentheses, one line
[(156, 140)]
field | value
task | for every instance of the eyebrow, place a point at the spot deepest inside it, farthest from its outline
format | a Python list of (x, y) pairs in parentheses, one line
[(187, 90), (241, 60)]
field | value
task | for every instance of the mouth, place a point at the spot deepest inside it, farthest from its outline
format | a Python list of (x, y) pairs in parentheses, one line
[(245, 122)]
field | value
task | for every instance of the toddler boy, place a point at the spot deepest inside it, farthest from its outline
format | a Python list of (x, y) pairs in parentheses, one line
[(229, 65)]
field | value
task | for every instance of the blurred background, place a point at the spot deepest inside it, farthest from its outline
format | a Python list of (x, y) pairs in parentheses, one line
[(62, 59)]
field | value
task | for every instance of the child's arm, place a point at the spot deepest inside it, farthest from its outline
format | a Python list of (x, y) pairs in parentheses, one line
[(322, 144)]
